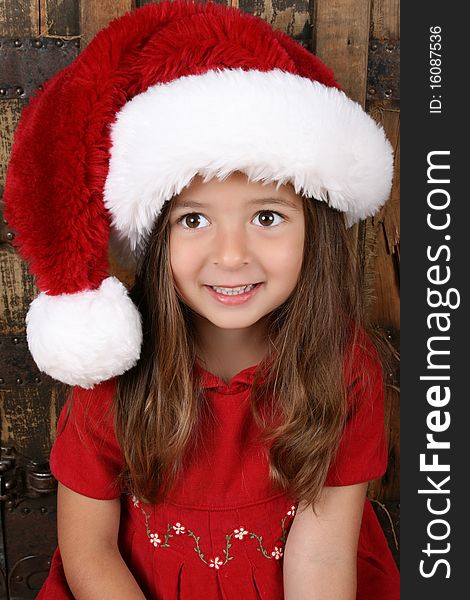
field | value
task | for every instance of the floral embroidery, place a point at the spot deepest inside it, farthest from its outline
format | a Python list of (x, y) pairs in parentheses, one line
[(240, 533), (154, 539), (216, 563), (178, 528)]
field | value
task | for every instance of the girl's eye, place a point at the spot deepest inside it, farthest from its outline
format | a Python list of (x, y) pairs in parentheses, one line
[(194, 221), (268, 218)]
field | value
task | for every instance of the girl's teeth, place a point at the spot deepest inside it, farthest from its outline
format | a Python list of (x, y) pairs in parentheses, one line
[(233, 291)]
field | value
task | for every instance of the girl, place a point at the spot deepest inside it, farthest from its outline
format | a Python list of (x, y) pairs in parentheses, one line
[(227, 414)]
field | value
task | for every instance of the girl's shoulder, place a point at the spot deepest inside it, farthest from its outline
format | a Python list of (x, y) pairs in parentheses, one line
[(86, 456), (97, 399), (361, 353), (91, 410), (363, 369)]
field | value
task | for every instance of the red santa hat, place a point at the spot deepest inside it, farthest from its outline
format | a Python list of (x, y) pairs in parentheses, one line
[(162, 94)]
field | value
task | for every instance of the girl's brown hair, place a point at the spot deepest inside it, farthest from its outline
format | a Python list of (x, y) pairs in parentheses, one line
[(299, 404)]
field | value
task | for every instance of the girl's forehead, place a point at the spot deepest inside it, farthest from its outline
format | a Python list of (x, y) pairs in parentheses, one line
[(239, 202), (236, 188)]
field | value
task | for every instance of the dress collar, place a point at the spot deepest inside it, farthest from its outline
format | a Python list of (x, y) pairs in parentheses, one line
[(208, 380)]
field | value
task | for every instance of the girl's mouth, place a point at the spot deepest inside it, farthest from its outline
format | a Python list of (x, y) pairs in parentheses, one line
[(234, 294)]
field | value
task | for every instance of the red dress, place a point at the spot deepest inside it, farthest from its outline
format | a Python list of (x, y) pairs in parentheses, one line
[(222, 532)]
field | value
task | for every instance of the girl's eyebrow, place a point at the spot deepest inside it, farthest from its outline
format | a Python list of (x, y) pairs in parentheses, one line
[(255, 201), (276, 201), (188, 204)]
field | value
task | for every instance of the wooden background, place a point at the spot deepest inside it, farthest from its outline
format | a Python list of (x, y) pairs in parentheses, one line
[(348, 35)]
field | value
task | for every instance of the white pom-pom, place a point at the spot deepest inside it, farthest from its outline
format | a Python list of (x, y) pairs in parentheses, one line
[(85, 338)]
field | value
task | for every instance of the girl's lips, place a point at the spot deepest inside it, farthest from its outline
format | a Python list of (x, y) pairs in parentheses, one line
[(236, 298)]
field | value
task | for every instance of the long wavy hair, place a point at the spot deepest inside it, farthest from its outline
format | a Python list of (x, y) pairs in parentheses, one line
[(300, 403)]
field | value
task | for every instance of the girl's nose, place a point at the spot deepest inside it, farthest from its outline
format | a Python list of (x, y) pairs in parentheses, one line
[(230, 249)]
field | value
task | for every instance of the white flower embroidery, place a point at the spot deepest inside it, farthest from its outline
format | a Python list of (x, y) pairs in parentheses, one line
[(216, 563), (135, 501), (239, 533), (154, 539), (291, 511), (277, 552), (179, 528)]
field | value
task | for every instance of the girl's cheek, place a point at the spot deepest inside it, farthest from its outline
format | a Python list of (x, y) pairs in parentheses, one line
[(288, 254), (184, 263)]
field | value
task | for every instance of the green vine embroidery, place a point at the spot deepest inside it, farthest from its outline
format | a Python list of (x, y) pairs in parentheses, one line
[(216, 562)]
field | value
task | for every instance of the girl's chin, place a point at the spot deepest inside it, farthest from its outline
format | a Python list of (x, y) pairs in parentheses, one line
[(232, 324), (228, 322)]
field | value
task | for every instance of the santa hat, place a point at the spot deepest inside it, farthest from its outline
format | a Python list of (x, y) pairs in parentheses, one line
[(162, 94)]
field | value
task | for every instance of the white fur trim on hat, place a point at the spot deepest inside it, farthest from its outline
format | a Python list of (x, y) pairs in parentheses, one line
[(87, 337), (273, 126)]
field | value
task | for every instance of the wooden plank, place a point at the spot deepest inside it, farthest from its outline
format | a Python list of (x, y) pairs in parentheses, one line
[(59, 17), (10, 111), (94, 16), (17, 285), (19, 18), (384, 236), (29, 418), (383, 270), (385, 25), (341, 38), (389, 216), (291, 16), (18, 291), (385, 19)]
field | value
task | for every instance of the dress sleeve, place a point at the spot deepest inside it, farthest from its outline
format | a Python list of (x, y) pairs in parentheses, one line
[(362, 452), (86, 456)]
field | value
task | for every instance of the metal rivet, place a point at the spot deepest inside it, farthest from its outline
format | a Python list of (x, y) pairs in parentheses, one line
[(59, 42), (10, 236), (16, 341), (37, 380), (19, 91), (372, 91), (388, 93), (2, 381), (3, 92), (43, 509), (10, 509), (48, 563), (390, 375), (374, 46), (19, 381), (389, 48), (77, 43), (18, 43), (18, 578), (38, 43), (26, 510)]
